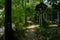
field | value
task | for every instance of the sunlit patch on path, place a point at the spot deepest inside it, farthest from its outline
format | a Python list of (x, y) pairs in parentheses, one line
[(53, 25), (31, 32), (33, 26)]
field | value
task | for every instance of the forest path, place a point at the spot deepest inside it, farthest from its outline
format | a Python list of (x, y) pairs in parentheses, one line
[(31, 32), (31, 35)]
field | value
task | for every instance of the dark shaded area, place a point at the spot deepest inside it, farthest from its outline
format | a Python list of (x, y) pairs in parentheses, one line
[(8, 23), (59, 13), (40, 6)]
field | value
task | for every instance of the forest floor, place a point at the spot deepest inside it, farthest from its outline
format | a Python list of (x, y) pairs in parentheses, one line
[(31, 35), (31, 32)]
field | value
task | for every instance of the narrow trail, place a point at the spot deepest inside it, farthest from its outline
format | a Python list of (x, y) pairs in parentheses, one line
[(31, 32)]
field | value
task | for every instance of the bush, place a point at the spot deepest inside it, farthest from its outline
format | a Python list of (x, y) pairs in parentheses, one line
[(45, 32)]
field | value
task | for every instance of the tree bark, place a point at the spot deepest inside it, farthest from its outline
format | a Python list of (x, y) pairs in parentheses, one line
[(8, 22)]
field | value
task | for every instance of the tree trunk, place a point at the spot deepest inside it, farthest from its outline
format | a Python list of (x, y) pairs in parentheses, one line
[(8, 25)]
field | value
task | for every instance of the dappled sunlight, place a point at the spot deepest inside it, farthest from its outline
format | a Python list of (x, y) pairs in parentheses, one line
[(33, 26), (30, 20), (53, 25)]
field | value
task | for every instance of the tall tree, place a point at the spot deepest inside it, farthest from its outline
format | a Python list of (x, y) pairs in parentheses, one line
[(8, 26)]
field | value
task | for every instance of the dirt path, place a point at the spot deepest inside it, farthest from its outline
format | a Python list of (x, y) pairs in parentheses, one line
[(31, 32)]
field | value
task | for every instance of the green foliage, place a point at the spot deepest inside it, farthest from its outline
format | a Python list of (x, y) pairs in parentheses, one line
[(20, 10), (45, 23), (18, 14), (2, 19), (46, 32), (2, 3)]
